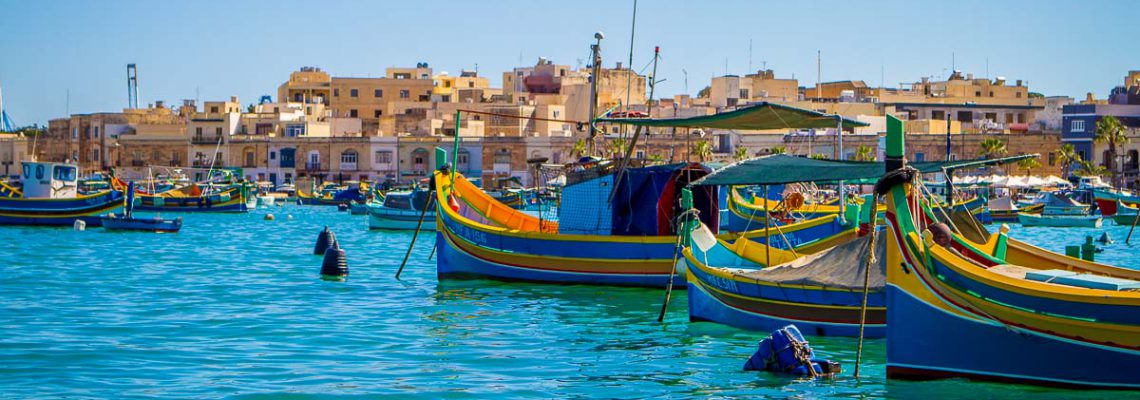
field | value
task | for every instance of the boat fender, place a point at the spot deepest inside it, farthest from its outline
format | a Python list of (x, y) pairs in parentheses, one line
[(453, 203), (335, 262), (942, 234), (79, 225), (325, 239)]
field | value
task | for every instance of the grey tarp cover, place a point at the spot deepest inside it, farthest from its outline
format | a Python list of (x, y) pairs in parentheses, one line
[(838, 267)]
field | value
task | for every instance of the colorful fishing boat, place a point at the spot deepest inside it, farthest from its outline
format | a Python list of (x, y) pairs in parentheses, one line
[(818, 287), (1125, 215), (1107, 199), (1059, 210), (1004, 209), (630, 242), (402, 211), (1021, 314), (331, 195), (128, 222), (193, 198), (50, 196)]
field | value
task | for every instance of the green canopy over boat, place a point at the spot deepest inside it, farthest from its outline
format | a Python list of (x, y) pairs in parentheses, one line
[(760, 116), (782, 168)]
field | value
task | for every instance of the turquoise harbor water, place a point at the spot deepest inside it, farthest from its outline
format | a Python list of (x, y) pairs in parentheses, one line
[(233, 307)]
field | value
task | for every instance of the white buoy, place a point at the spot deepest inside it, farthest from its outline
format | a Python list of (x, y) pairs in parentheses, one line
[(290, 216), (79, 225)]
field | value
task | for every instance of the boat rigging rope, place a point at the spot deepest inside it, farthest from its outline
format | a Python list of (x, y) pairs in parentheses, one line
[(681, 225)]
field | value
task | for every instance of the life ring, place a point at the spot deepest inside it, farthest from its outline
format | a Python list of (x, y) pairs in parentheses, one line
[(793, 201)]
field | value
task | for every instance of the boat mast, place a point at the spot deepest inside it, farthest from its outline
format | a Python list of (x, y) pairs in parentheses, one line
[(596, 48)]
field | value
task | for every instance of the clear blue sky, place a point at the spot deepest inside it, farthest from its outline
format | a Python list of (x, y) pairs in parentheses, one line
[(246, 48)]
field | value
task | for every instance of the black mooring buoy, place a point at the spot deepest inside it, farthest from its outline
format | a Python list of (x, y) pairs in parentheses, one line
[(335, 262), (1104, 238), (325, 240), (342, 207)]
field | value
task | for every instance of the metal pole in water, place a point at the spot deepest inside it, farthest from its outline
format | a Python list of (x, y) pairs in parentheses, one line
[(767, 231)]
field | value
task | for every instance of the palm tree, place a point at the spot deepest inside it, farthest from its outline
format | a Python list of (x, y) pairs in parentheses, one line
[(741, 153), (579, 148), (1028, 164), (1109, 131), (779, 150), (864, 153), (1069, 157), (703, 149), (992, 148), (617, 148), (1087, 168)]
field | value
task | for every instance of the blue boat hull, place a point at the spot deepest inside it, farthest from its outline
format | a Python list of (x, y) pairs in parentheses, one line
[(455, 263), (956, 347), (59, 212), (765, 308)]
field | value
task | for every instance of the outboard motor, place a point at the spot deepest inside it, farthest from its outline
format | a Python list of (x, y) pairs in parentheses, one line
[(785, 351)]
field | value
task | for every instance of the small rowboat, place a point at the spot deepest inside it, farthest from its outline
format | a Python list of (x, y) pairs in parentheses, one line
[(114, 222), (128, 222)]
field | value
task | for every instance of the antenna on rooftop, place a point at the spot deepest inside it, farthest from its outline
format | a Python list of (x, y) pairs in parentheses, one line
[(132, 86)]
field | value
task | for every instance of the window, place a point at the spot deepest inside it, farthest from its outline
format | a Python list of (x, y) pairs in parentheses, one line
[(919, 157), (263, 128), (383, 157), (558, 114), (214, 109), (1077, 126), (378, 93), (978, 93), (95, 155), (503, 156), (991, 93), (352, 113), (470, 84), (96, 132), (348, 156), (273, 155), (462, 158), (1052, 159), (62, 173), (405, 94), (352, 93), (198, 131), (218, 131), (1018, 95), (75, 133), (336, 92), (744, 93), (294, 130), (377, 113)]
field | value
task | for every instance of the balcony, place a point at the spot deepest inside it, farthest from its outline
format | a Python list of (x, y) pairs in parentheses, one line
[(313, 167), (348, 166), (138, 163), (206, 163), (203, 139)]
